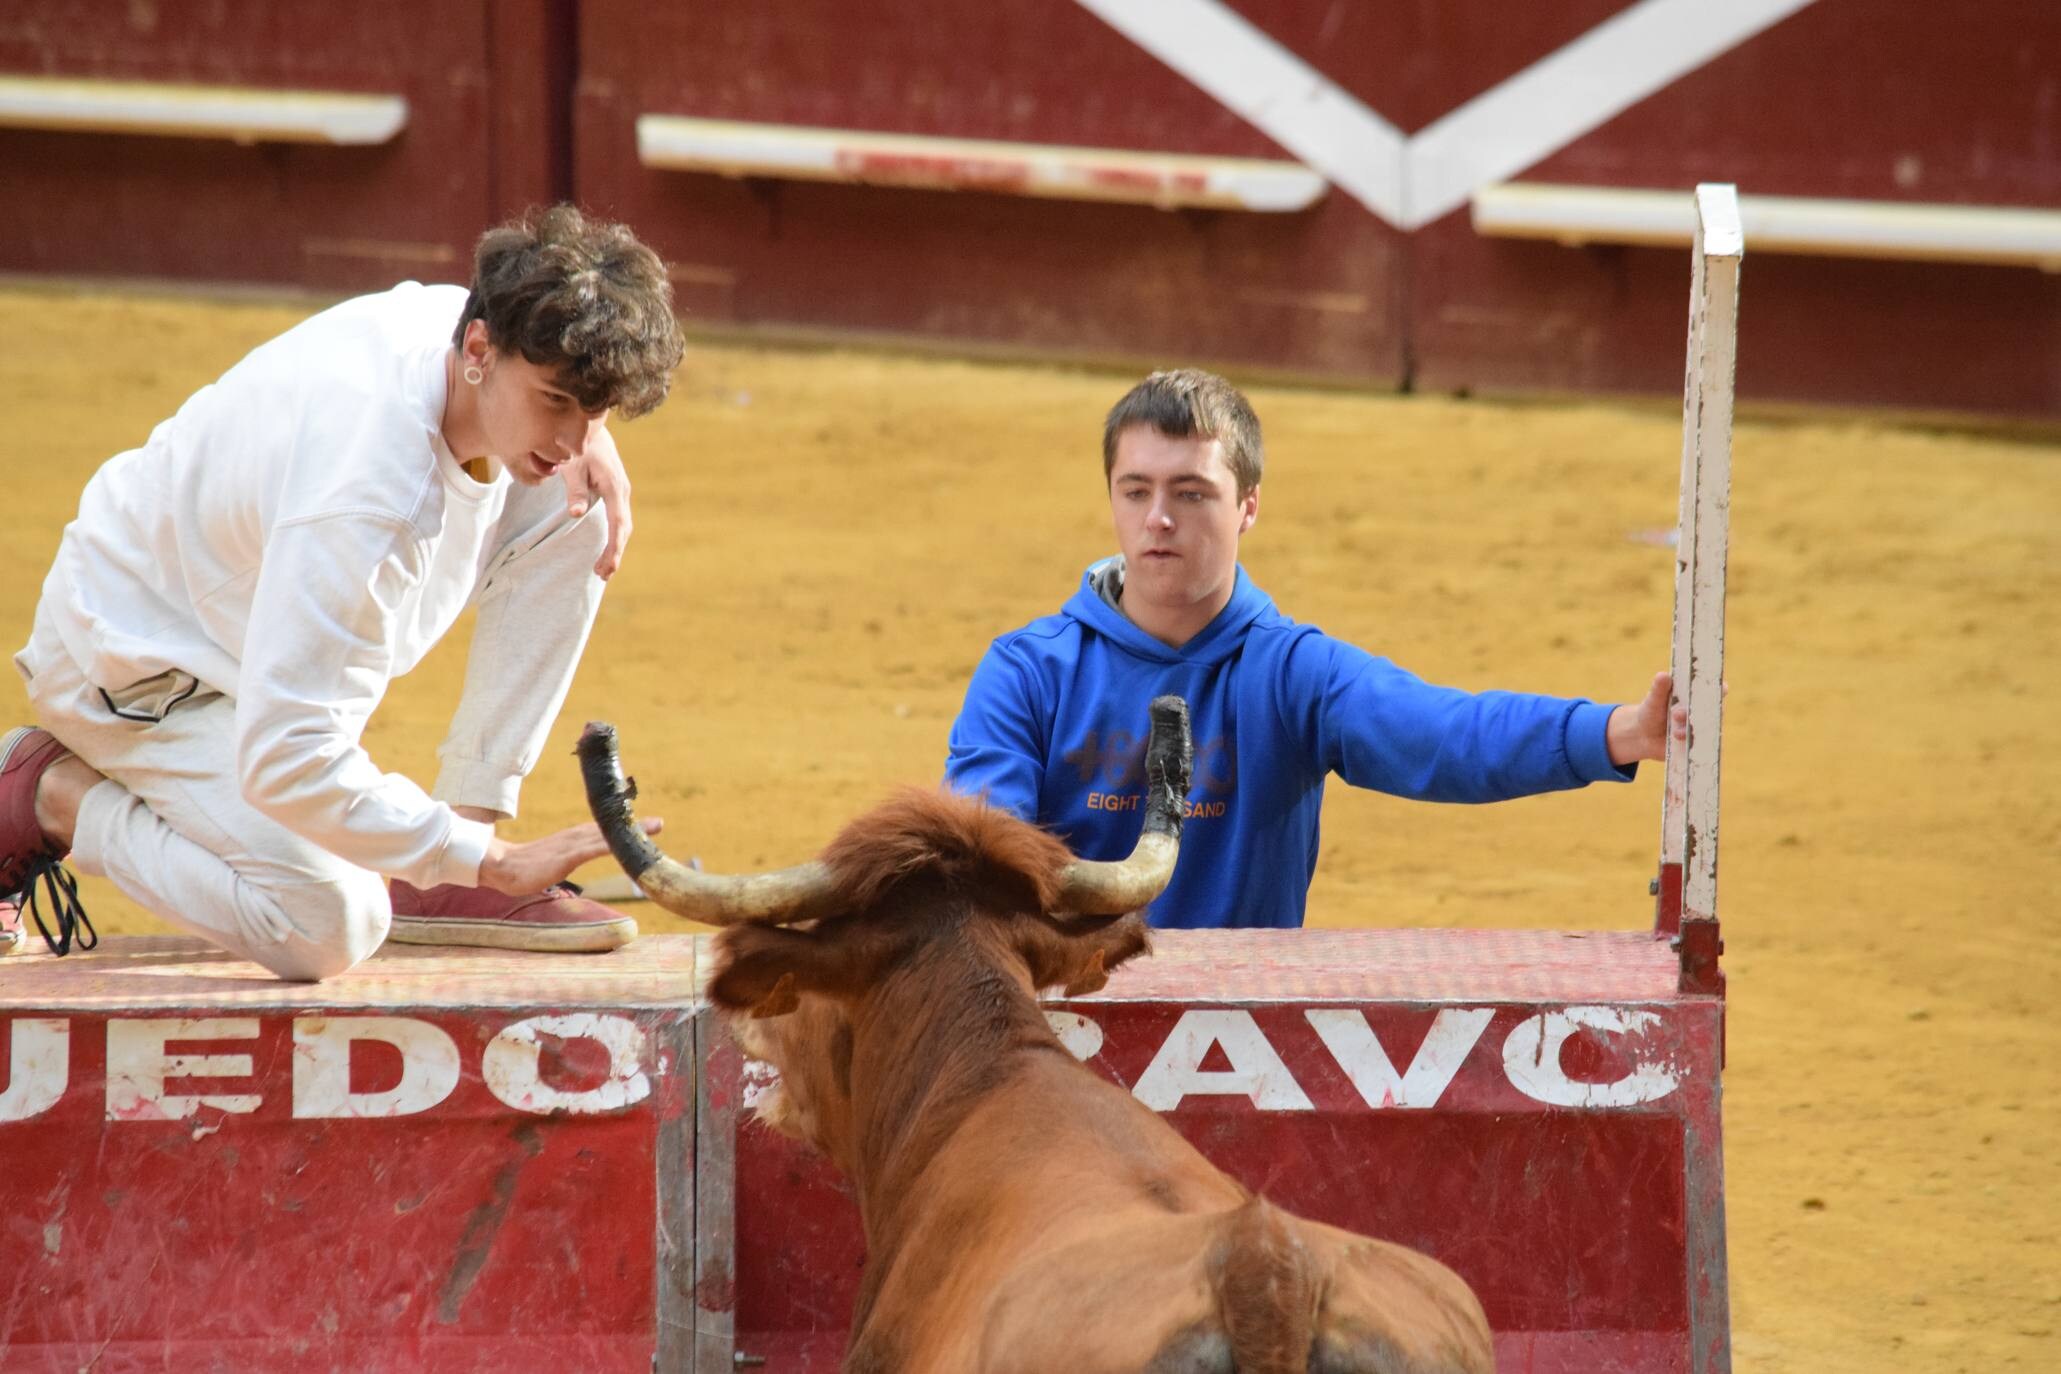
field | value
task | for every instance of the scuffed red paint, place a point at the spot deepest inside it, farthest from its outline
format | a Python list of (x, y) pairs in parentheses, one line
[(971, 173), (715, 1290), (1145, 179)]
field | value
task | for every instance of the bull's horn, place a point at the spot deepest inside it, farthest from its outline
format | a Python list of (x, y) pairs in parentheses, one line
[(800, 893), (1128, 884)]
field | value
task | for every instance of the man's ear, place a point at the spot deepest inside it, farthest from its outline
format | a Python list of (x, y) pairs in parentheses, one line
[(1251, 515), (764, 969), (475, 347)]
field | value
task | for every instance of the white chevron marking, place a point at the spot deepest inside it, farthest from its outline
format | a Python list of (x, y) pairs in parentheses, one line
[(1409, 182)]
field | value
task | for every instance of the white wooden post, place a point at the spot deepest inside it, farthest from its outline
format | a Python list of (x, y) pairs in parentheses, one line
[(1689, 807)]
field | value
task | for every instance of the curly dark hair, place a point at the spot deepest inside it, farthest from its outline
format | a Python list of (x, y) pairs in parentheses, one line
[(584, 298)]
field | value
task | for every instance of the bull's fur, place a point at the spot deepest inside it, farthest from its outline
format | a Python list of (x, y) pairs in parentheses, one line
[(1022, 1214)]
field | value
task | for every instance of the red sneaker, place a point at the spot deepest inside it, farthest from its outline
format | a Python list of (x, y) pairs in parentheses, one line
[(30, 868), (557, 920)]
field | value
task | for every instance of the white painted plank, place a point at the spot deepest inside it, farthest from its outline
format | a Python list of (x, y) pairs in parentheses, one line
[(1168, 180), (1574, 215), (239, 114)]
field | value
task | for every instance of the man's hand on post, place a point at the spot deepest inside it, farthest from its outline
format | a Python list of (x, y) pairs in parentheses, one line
[(1640, 732)]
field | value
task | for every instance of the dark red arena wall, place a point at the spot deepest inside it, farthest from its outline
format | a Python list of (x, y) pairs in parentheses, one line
[(521, 101), (478, 77), (1876, 100), (1310, 291)]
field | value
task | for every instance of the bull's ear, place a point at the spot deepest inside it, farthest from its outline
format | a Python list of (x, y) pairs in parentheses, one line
[(780, 1001), (1090, 977), (1077, 953), (765, 969)]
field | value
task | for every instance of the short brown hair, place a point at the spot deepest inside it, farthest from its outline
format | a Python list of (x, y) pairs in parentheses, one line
[(584, 298), (1190, 403)]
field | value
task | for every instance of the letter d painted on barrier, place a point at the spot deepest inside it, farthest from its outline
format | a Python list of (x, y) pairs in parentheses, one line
[(322, 1066)]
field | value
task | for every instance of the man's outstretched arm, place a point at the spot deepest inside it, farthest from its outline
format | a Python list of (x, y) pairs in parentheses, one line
[(1382, 727)]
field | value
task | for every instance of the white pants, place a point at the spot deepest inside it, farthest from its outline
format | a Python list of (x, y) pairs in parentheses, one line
[(171, 829)]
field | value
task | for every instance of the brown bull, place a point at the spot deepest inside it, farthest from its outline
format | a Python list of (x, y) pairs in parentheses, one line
[(1023, 1215)]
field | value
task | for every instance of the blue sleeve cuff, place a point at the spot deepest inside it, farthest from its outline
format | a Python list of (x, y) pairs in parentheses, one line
[(1588, 745)]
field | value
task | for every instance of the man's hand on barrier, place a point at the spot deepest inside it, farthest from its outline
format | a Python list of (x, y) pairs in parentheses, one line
[(520, 869)]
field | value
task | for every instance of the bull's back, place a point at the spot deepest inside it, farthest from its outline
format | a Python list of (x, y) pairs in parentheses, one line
[(1062, 1227), (1388, 1309), (1299, 1297), (1134, 1294), (1248, 1290), (1066, 1227)]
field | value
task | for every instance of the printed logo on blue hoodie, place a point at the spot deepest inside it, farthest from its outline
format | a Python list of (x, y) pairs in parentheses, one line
[(1054, 725)]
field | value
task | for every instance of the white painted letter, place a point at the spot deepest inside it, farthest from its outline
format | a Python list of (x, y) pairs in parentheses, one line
[(322, 1066), (137, 1066), (509, 1064), (1531, 1056), (38, 1068), (1082, 1037), (1256, 1071), (1352, 1043), (758, 1078)]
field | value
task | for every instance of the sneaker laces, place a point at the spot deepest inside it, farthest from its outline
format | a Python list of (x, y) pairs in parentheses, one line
[(66, 909)]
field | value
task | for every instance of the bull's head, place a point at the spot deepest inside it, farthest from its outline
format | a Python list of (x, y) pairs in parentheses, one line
[(930, 888), (810, 891)]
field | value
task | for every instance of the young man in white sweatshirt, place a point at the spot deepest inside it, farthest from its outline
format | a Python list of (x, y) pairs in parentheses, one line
[(227, 609)]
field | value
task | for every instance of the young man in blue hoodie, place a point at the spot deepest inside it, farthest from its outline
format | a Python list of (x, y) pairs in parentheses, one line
[(1053, 727)]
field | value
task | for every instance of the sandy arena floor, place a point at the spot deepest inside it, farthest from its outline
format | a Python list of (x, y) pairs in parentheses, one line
[(826, 542)]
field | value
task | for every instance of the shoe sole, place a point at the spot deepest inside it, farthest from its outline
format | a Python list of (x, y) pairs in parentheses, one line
[(598, 938)]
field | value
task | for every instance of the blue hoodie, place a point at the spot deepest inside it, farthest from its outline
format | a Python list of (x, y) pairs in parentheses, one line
[(1054, 727)]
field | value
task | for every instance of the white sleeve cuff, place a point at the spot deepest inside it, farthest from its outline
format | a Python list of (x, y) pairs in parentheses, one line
[(464, 851)]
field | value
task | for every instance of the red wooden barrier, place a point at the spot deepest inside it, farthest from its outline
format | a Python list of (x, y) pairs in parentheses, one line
[(435, 1162), (1889, 100), (1539, 1110), (487, 1162)]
